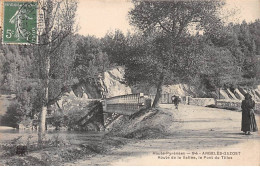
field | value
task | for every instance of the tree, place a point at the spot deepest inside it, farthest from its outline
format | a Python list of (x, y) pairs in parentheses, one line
[(115, 46), (255, 31), (248, 48), (58, 20), (90, 60), (15, 65), (217, 69), (12, 116), (242, 41), (171, 21)]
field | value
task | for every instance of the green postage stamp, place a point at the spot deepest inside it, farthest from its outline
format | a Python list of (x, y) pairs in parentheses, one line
[(19, 22)]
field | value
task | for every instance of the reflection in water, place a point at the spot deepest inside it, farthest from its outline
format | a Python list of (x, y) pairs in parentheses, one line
[(77, 137), (4, 129)]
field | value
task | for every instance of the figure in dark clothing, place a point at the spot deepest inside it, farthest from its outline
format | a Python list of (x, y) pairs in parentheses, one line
[(176, 100), (248, 116)]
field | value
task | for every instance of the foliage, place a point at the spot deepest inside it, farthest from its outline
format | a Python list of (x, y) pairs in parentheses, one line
[(9, 148), (90, 61), (15, 64), (27, 104), (13, 116), (62, 153), (254, 29), (115, 46), (80, 59), (174, 17), (168, 51), (217, 68), (240, 41), (55, 140), (167, 24)]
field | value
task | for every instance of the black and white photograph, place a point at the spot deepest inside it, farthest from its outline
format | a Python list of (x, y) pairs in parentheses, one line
[(129, 82)]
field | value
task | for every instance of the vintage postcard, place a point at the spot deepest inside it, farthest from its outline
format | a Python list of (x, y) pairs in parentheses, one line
[(129, 83)]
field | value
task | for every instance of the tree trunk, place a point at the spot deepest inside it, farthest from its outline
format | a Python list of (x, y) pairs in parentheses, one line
[(159, 91), (43, 113), (42, 124)]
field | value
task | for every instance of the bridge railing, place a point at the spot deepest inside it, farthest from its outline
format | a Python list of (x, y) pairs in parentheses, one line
[(129, 104), (234, 104), (124, 104), (166, 98)]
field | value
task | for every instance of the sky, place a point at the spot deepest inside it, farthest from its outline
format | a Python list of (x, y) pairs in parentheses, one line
[(97, 17)]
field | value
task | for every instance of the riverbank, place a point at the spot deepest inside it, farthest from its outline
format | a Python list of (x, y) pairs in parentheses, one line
[(67, 148), (58, 151)]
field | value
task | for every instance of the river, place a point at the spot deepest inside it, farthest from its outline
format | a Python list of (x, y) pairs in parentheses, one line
[(74, 137)]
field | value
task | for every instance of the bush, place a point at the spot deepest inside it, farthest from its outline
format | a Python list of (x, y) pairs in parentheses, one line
[(56, 141), (12, 117), (9, 148)]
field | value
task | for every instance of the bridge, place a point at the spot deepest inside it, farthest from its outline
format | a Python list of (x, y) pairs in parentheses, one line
[(127, 105), (132, 103)]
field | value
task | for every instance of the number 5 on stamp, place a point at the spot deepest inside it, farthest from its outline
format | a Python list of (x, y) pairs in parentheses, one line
[(19, 22)]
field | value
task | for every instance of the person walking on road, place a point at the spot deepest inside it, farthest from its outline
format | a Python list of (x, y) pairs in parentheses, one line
[(176, 101), (248, 116)]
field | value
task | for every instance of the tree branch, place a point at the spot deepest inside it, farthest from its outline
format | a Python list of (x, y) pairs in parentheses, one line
[(163, 27), (58, 45), (55, 13), (57, 98)]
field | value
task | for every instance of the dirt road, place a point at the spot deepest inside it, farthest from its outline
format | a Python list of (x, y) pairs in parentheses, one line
[(197, 136)]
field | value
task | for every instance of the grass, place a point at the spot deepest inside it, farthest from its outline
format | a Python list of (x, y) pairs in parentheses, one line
[(146, 133), (147, 124), (54, 154)]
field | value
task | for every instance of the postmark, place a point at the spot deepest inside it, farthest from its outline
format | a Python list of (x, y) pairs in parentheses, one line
[(19, 22)]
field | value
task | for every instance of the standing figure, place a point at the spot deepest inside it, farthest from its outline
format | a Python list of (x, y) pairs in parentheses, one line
[(176, 101), (248, 116)]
